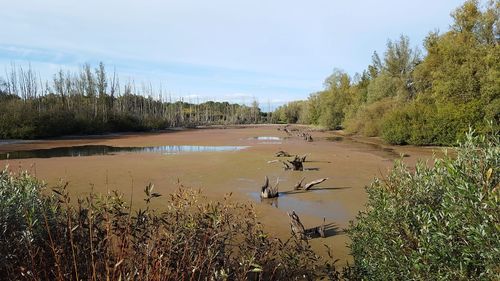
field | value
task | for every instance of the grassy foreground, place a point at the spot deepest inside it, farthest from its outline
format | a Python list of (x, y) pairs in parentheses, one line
[(48, 237)]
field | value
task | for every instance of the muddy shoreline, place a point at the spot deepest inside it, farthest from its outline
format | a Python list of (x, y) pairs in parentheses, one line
[(349, 164)]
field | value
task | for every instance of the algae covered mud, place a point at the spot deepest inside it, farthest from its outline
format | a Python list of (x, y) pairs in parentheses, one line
[(220, 161)]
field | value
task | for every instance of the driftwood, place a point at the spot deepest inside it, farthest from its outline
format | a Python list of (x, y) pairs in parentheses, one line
[(306, 136), (299, 231), (313, 183), (297, 227), (321, 229), (286, 166), (299, 184), (268, 191), (309, 185), (282, 153), (296, 164)]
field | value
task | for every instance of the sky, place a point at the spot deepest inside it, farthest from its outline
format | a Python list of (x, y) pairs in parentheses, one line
[(273, 51)]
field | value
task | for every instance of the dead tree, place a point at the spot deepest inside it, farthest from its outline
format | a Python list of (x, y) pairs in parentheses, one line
[(268, 191)]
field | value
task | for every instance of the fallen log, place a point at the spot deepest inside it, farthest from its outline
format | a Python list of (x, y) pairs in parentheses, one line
[(268, 191)]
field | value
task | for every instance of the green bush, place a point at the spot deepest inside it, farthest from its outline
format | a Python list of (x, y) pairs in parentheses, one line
[(396, 127), (436, 223), (369, 119)]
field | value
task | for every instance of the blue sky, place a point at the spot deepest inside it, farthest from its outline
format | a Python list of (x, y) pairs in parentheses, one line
[(274, 51)]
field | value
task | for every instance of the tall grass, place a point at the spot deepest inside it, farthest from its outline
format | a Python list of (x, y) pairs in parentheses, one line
[(46, 236)]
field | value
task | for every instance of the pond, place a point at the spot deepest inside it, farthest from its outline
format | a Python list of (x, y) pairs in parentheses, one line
[(91, 150)]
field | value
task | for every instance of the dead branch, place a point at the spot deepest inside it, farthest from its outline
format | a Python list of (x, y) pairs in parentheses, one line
[(299, 184), (313, 183)]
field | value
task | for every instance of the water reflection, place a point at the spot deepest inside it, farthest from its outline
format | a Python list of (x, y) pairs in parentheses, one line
[(90, 150), (335, 138), (268, 138), (287, 202)]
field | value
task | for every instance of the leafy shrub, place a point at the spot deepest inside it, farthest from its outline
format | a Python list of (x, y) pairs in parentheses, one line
[(48, 237), (436, 223), (369, 118), (396, 127)]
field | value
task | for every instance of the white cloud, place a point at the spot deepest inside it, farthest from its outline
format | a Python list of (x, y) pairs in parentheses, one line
[(279, 48)]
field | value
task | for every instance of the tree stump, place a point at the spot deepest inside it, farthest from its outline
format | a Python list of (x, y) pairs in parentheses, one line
[(297, 227), (297, 163), (268, 191), (300, 232)]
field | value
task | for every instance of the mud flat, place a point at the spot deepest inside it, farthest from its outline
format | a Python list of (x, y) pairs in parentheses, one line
[(239, 168)]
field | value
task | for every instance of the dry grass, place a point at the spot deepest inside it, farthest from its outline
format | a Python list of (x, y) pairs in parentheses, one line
[(102, 237)]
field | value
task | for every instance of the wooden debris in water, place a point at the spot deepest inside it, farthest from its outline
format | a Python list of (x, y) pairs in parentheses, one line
[(268, 191), (309, 185), (296, 163), (297, 227), (286, 166), (299, 184), (299, 231), (313, 183)]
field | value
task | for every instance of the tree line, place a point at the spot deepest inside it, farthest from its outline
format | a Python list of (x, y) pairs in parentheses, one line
[(93, 101), (407, 97)]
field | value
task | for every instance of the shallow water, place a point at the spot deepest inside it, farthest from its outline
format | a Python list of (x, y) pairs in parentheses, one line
[(266, 138), (288, 202), (91, 150), (335, 138)]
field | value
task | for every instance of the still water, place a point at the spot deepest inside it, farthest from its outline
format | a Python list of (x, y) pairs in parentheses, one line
[(90, 150)]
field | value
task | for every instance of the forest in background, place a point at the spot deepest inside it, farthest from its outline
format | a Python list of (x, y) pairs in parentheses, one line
[(404, 96), (407, 97), (92, 101)]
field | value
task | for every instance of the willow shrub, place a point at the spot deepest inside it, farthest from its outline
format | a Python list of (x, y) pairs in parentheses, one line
[(46, 236), (435, 223)]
